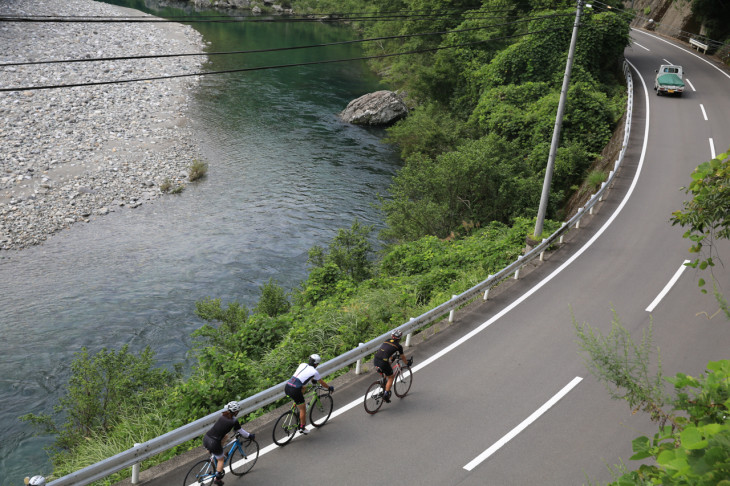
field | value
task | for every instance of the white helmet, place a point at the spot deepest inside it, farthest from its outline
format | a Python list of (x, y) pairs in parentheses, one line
[(232, 407), (37, 481), (314, 360)]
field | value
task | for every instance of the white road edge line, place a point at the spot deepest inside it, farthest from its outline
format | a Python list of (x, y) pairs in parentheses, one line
[(668, 287), (522, 426), (704, 113), (524, 297), (684, 50), (637, 44), (712, 148), (690, 84)]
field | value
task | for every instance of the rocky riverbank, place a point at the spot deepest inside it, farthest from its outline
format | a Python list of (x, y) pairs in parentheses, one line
[(71, 155)]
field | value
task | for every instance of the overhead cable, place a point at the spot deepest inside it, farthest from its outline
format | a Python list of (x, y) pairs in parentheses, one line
[(261, 68), (275, 49)]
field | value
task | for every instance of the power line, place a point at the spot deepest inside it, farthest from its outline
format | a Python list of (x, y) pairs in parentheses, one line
[(261, 68), (310, 17), (276, 49)]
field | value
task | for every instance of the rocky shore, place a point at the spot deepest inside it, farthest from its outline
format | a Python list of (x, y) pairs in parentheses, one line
[(71, 155)]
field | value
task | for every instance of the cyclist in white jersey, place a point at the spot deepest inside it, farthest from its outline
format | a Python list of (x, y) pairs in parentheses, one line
[(296, 387)]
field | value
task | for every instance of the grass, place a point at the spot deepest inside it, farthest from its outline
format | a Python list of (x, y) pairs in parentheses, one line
[(168, 187), (595, 179), (198, 170)]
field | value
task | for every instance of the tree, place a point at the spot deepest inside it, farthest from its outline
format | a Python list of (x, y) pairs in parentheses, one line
[(707, 215), (104, 387)]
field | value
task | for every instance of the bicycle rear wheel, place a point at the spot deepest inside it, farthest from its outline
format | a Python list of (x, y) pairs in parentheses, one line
[(250, 450), (402, 382), (373, 398), (202, 472), (320, 409), (285, 427)]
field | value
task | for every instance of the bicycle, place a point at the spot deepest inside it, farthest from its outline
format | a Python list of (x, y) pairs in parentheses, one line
[(401, 385), (203, 472), (320, 408)]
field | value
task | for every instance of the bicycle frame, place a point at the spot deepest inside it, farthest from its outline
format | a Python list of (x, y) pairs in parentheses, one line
[(235, 444)]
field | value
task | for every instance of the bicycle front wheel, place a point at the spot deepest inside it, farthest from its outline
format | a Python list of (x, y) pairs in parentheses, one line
[(202, 472), (286, 427), (402, 381), (320, 409), (244, 456), (373, 397)]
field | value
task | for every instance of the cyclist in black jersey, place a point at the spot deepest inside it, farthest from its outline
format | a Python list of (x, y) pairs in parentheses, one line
[(213, 439), (385, 355)]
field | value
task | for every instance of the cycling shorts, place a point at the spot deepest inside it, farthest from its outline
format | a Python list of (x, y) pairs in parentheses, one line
[(213, 446), (384, 366), (294, 393)]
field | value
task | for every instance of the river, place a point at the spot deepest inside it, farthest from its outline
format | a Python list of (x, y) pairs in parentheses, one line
[(284, 174)]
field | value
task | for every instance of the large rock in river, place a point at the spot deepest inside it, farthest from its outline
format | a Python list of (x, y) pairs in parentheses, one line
[(379, 108)]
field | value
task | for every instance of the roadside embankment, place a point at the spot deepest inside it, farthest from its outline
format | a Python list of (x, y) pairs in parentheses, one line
[(70, 155)]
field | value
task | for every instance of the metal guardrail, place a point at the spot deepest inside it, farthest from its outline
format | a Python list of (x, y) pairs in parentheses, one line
[(195, 429)]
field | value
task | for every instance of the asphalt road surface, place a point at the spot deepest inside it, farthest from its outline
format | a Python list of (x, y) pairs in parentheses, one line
[(503, 396)]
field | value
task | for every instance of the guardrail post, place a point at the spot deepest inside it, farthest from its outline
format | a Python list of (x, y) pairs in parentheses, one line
[(577, 223), (451, 313), (517, 273), (408, 336), (542, 253), (600, 198), (486, 292), (135, 469), (358, 365)]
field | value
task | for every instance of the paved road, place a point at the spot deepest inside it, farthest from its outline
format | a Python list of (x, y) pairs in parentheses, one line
[(493, 382)]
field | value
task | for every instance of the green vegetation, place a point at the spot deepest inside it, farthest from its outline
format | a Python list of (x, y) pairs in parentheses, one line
[(692, 446), (483, 98), (112, 398), (706, 215), (595, 179), (197, 170), (714, 16), (476, 143), (168, 187), (348, 298)]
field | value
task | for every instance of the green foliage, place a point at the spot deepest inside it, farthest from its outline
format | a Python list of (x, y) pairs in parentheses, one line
[(714, 16), (430, 130), (480, 182), (595, 179), (338, 269), (696, 451), (625, 367), (103, 387), (273, 301), (197, 170), (706, 215)]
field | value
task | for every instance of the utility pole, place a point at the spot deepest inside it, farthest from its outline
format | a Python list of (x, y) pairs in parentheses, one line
[(558, 125)]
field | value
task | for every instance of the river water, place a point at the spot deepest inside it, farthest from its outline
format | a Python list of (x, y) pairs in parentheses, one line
[(284, 175)]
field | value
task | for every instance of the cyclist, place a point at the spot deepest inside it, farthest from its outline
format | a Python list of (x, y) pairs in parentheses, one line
[(387, 353), (213, 439), (296, 387)]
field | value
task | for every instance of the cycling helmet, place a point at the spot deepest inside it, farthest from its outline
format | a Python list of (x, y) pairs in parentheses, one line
[(314, 360), (232, 407), (37, 481), (397, 334)]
